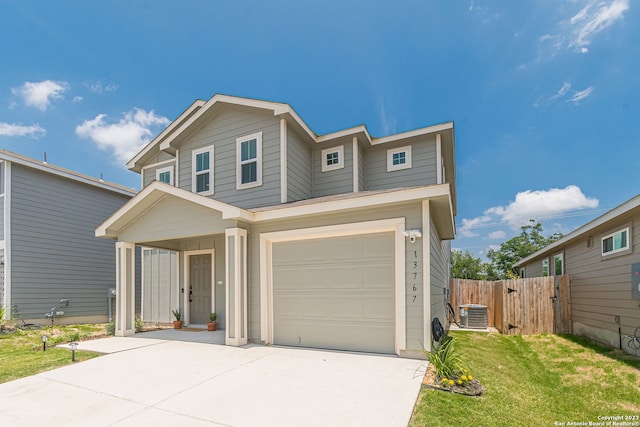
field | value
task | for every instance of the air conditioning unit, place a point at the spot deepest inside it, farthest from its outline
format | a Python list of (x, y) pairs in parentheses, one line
[(473, 316)]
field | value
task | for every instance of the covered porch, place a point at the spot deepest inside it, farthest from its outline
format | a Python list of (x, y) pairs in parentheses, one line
[(194, 260)]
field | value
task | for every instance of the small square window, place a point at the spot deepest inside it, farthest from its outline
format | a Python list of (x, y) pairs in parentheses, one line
[(165, 175), (333, 158), (398, 158)]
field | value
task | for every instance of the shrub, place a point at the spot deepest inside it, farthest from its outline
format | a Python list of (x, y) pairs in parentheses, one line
[(445, 358)]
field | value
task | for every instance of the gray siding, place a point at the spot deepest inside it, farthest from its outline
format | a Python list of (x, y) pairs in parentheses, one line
[(298, 168), (160, 287), (439, 276), (149, 174), (423, 169), (2, 217), (413, 217), (336, 181), (600, 286), (54, 251), (221, 132)]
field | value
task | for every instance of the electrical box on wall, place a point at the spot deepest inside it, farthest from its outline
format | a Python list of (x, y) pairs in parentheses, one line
[(635, 281)]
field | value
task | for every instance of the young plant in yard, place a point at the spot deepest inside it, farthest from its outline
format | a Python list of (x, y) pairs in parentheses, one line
[(445, 358)]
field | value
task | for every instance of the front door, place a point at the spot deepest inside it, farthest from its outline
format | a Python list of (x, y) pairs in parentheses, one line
[(200, 288)]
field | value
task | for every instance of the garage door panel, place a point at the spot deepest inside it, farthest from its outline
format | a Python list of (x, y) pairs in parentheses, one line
[(335, 293)]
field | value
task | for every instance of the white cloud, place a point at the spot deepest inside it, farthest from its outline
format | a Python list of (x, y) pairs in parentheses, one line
[(99, 87), (593, 19), (579, 96), (497, 235), (469, 224), (388, 123), (41, 94), (543, 204), (562, 91), (126, 137), (9, 129), (77, 99), (529, 204)]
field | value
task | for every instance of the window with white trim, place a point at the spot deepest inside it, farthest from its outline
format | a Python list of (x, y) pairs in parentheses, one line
[(545, 267), (333, 158), (202, 172), (616, 242), (165, 175), (398, 158), (558, 263), (249, 161)]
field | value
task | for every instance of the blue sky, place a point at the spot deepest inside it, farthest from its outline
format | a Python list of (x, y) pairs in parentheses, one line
[(544, 94)]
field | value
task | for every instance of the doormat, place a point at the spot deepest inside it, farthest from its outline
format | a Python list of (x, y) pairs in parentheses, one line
[(192, 329)]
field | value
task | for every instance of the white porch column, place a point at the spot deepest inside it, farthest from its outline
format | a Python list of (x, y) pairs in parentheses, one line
[(125, 289), (236, 279)]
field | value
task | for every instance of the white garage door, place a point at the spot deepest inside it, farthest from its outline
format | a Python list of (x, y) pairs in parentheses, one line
[(335, 293)]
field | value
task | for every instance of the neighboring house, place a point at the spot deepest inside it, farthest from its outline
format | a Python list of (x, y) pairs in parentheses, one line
[(335, 241), (48, 249), (602, 259)]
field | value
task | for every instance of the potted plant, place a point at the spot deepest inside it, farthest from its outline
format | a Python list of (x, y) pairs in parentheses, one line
[(211, 326), (177, 324)]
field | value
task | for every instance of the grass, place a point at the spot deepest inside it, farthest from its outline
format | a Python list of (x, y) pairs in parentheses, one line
[(535, 381), (21, 352)]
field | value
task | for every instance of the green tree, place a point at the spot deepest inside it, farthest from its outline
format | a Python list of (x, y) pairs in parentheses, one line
[(465, 266), (529, 240)]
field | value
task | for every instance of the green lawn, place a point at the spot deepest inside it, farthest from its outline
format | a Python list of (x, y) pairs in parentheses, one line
[(536, 381), (21, 352)]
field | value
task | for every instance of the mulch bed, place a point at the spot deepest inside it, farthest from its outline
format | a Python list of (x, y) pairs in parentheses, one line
[(431, 380)]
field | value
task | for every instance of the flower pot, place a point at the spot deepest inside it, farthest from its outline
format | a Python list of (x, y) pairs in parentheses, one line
[(177, 324), (211, 326)]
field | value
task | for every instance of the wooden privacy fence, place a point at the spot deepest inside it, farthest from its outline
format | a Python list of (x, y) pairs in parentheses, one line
[(520, 306)]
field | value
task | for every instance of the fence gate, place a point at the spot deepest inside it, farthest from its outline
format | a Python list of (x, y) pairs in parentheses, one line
[(562, 305), (527, 305)]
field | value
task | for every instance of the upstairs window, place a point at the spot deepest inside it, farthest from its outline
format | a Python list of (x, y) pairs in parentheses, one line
[(615, 242), (398, 158), (249, 155), (202, 176), (333, 158), (165, 175), (545, 268)]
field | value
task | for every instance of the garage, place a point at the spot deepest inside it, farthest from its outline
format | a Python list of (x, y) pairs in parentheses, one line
[(335, 293)]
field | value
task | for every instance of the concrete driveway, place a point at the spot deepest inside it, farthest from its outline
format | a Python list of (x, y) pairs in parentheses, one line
[(157, 382)]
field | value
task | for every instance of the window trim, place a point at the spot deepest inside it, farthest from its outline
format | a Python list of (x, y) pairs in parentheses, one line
[(258, 182), (195, 174), (545, 261), (612, 236), (555, 257), (337, 149), (160, 171), (406, 165)]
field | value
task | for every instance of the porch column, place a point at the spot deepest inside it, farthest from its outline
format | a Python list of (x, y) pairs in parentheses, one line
[(236, 280), (125, 289)]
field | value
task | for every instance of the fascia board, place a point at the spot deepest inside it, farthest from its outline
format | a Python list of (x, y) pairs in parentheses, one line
[(417, 132), (74, 176), (354, 203), (601, 220), (345, 132), (131, 164), (155, 192)]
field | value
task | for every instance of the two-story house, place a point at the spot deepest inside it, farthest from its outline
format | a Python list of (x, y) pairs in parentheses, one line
[(49, 254), (335, 241)]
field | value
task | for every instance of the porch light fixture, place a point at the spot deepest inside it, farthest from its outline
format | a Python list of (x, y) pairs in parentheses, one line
[(74, 346), (412, 234), (44, 342)]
